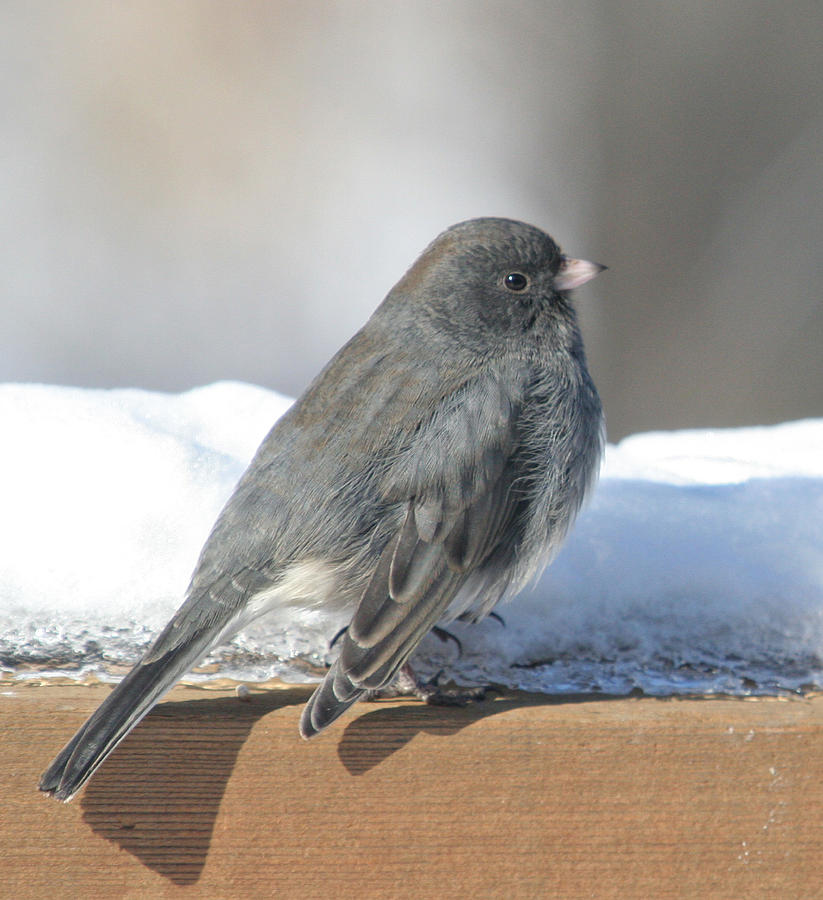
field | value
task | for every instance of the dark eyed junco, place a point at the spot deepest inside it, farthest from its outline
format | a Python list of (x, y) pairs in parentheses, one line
[(432, 467)]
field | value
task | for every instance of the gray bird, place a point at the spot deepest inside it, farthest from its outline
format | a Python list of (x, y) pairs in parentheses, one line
[(433, 467)]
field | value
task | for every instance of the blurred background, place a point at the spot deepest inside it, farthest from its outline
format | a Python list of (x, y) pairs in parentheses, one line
[(197, 191)]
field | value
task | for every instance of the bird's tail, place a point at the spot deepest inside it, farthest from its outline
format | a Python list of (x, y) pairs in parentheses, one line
[(117, 715), (330, 700)]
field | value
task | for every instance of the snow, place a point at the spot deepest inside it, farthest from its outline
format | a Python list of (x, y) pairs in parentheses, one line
[(697, 566)]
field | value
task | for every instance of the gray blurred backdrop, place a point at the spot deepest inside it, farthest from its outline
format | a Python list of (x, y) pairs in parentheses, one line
[(195, 191)]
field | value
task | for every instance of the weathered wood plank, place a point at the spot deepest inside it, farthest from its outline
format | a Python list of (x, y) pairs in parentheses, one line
[(522, 796)]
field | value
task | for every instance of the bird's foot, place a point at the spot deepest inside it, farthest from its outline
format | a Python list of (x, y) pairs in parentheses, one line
[(407, 684)]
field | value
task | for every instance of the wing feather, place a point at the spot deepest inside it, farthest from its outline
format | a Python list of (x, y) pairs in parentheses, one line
[(457, 486)]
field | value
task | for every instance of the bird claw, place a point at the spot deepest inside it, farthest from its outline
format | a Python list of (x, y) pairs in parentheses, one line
[(337, 636), (446, 636)]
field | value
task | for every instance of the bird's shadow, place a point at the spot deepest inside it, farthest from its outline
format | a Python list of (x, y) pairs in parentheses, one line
[(373, 736), (158, 795)]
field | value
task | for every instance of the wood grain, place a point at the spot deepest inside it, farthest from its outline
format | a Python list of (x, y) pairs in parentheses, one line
[(519, 797)]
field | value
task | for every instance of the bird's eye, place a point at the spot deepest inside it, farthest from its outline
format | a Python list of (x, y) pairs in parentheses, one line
[(516, 281)]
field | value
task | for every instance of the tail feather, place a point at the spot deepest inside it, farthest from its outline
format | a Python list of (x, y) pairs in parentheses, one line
[(125, 706), (331, 699)]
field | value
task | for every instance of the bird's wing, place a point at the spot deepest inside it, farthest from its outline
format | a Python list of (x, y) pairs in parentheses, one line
[(460, 495)]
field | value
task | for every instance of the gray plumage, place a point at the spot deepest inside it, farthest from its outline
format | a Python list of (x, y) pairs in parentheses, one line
[(430, 469)]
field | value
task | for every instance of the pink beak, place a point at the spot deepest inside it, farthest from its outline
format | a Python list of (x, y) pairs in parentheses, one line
[(574, 272)]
